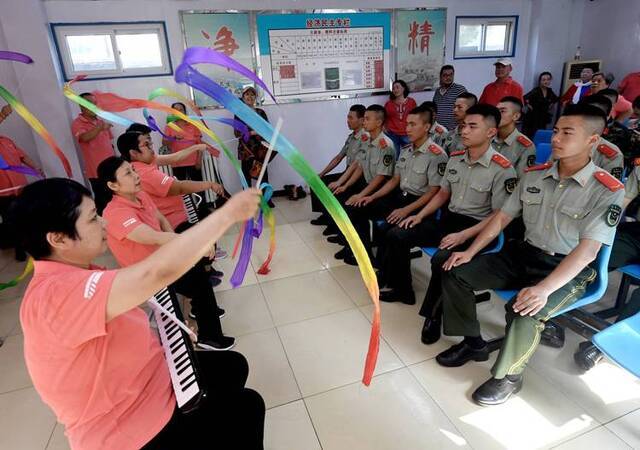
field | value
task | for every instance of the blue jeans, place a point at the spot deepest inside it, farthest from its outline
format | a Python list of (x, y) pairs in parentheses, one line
[(398, 140)]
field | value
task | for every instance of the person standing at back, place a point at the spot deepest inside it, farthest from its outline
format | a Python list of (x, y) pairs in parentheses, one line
[(445, 97), (397, 109), (190, 167), (539, 101), (504, 86)]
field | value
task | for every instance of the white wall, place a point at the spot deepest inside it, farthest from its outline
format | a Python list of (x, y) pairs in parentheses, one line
[(316, 128), (611, 31)]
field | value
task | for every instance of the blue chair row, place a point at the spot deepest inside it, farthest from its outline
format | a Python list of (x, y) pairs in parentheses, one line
[(542, 136), (621, 343), (543, 153)]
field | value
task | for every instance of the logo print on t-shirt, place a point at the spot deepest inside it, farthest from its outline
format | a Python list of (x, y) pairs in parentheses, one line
[(92, 284), (128, 222)]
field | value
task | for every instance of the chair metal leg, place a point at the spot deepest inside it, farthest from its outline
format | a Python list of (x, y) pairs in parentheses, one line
[(621, 298)]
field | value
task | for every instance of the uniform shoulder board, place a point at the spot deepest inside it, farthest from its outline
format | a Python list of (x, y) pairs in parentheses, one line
[(435, 149), (608, 180), (636, 162), (439, 129), (458, 152), (539, 167), (364, 137), (501, 160), (607, 151), (524, 141)]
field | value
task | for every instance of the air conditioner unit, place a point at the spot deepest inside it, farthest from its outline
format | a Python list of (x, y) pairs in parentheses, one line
[(572, 70)]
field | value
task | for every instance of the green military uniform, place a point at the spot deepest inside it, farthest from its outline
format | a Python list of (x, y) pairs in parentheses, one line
[(453, 141), (557, 213), (518, 149), (376, 156), (438, 133), (608, 156)]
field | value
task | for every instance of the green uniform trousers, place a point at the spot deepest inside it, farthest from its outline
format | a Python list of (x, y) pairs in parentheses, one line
[(517, 266)]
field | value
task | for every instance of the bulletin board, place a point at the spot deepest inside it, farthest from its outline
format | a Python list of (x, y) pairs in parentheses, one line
[(420, 40), (307, 56)]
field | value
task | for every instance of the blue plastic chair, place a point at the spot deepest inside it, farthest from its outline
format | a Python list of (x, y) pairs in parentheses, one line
[(594, 291), (542, 136), (543, 153), (621, 343), (495, 249)]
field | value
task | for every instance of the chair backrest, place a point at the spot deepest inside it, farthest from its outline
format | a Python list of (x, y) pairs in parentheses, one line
[(542, 136), (595, 290), (543, 152)]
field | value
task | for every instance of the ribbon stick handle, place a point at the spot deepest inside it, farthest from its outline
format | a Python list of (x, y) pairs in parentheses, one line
[(267, 158)]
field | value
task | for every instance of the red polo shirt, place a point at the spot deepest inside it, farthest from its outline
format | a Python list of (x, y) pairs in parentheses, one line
[(13, 155), (630, 86), (494, 92), (189, 136), (97, 149), (107, 382)]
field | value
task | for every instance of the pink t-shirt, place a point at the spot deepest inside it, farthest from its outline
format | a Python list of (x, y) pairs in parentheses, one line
[(12, 155), (189, 136), (622, 106), (157, 184), (97, 149), (107, 382), (122, 216)]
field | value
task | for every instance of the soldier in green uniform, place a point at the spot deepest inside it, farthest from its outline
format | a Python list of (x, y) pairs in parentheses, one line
[(453, 140), (416, 179), (349, 150), (509, 141), (476, 182), (437, 132), (570, 209)]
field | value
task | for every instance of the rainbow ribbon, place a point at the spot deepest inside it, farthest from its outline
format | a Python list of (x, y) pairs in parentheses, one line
[(28, 117), (185, 73), (27, 270)]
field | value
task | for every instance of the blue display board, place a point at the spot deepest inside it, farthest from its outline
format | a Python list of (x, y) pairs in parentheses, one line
[(307, 56)]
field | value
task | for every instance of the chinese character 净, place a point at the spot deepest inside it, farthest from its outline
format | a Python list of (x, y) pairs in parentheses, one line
[(225, 42)]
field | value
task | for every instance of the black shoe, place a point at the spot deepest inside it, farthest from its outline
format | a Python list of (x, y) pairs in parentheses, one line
[(552, 335), (350, 259), (215, 273), (460, 354), (430, 331), (329, 231), (341, 254), (337, 239), (218, 344), (320, 220), (214, 281), (587, 356), (221, 314), (496, 391), (391, 296)]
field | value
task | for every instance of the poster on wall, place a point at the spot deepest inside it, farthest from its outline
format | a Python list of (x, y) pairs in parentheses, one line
[(322, 55), (229, 33), (420, 47)]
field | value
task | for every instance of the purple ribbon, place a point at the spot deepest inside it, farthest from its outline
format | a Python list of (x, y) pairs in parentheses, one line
[(15, 56), (19, 169)]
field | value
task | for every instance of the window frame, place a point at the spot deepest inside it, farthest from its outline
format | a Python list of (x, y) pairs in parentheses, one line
[(59, 32), (510, 20)]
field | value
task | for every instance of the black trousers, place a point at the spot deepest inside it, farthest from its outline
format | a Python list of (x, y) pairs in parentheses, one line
[(377, 210), (625, 251), (187, 173), (316, 205), (229, 417), (343, 197)]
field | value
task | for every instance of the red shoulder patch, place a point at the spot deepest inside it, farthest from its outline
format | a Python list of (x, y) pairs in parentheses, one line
[(539, 167), (437, 150), (608, 180), (636, 162), (458, 153), (524, 141), (501, 160), (383, 143), (364, 138), (607, 151)]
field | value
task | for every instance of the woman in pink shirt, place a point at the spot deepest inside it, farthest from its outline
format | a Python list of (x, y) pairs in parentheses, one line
[(189, 168), (397, 109), (88, 346)]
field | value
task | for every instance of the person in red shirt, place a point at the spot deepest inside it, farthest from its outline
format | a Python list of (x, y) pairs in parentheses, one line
[(95, 141), (136, 229), (629, 87), (504, 86), (88, 347), (189, 168), (397, 109)]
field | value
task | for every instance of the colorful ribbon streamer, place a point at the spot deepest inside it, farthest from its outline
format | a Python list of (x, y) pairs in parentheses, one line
[(185, 73), (27, 270), (26, 114), (20, 169)]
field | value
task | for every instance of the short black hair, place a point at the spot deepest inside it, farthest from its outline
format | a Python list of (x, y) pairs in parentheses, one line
[(468, 96), (487, 111), (382, 115), (46, 206), (595, 117), (173, 105), (359, 110), (543, 74), (405, 88), (599, 101), (446, 67), (85, 94), (608, 92), (431, 105), (140, 128), (107, 170), (513, 100), (126, 142), (636, 102), (425, 113)]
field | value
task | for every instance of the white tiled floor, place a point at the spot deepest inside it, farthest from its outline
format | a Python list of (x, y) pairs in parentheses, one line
[(304, 329)]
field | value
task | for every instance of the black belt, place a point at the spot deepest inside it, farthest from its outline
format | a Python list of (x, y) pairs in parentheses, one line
[(408, 194), (541, 250)]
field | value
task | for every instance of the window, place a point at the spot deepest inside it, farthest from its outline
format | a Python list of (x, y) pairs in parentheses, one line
[(485, 37), (112, 50)]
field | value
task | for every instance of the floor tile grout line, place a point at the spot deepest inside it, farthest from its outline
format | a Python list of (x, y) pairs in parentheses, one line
[(53, 430), (17, 390)]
